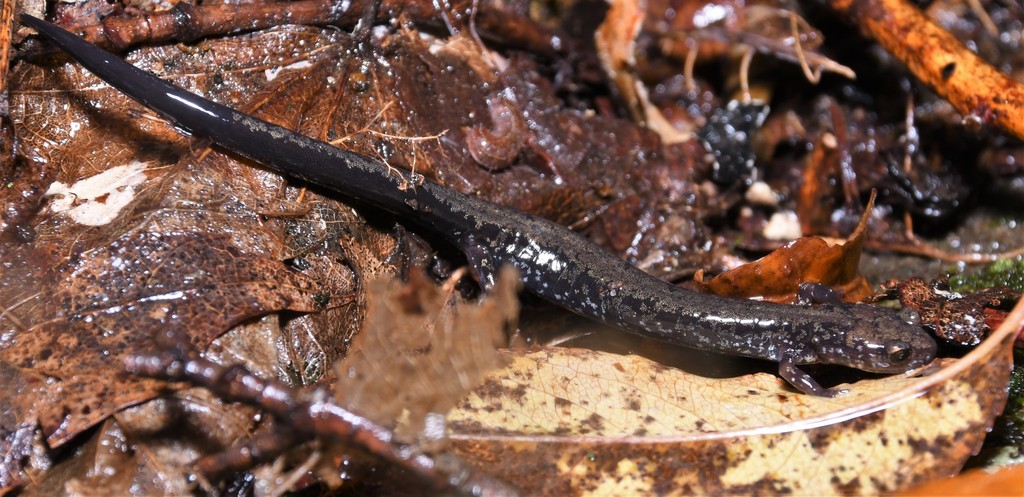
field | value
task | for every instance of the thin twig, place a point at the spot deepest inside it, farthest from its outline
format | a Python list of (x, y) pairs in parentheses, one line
[(748, 56), (921, 249), (814, 76), (691, 61), (983, 17)]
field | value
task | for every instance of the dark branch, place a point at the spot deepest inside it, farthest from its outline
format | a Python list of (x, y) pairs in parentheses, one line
[(313, 414)]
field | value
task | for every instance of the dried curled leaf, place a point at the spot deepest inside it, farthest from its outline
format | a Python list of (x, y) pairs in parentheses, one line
[(421, 350), (575, 422), (778, 275)]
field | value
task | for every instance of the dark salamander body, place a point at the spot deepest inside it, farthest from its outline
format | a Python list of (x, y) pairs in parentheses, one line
[(555, 263)]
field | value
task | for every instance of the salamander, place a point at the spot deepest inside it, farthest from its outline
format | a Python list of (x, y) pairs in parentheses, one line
[(555, 263)]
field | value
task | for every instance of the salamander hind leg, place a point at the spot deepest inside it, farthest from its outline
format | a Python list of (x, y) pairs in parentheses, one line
[(803, 381)]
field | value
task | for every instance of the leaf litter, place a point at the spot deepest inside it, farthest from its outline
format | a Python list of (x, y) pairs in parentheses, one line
[(577, 421)]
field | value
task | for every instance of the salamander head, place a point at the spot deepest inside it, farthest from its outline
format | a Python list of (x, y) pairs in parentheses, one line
[(877, 340)]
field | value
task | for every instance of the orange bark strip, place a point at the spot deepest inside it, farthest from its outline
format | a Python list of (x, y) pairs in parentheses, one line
[(976, 89), (6, 20)]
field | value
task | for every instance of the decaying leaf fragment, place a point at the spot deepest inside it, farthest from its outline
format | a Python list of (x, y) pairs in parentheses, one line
[(740, 481), (958, 318), (616, 44), (777, 276), (576, 422), (421, 349)]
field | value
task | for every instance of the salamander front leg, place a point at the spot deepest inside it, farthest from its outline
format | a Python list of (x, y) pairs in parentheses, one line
[(803, 381), (481, 265), (817, 293)]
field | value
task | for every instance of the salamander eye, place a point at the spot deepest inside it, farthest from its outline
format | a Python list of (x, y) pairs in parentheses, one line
[(898, 351)]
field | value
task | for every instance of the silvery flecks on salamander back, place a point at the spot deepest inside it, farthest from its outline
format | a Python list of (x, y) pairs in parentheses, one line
[(555, 263)]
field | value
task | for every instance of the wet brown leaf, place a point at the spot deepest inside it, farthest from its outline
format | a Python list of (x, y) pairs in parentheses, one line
[(577, 422), (210, 234), (116, 299), (148, 449), (19, 424), (176, 432), (182, 243), (777, 276)]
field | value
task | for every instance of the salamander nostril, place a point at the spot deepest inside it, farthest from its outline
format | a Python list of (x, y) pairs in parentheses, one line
[(910, 316)]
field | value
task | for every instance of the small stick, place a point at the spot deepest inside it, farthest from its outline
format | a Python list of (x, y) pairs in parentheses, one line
[(186, 22)]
